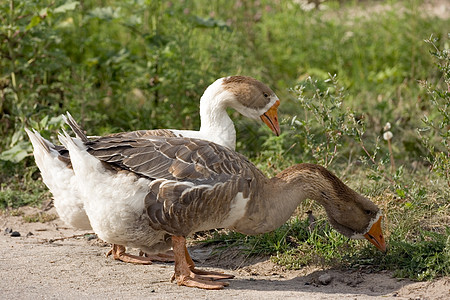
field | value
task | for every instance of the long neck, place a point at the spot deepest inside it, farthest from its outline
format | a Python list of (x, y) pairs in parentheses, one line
[(215, 122), (272, 201), (273, 204)]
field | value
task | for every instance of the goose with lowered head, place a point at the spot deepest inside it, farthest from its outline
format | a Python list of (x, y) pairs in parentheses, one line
[(246, 95), (152, 193)]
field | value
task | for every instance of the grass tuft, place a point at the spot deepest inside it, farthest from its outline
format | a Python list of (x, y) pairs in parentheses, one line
[(40, 217)]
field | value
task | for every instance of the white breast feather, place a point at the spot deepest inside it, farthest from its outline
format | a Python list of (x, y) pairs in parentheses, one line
[(238, 208)]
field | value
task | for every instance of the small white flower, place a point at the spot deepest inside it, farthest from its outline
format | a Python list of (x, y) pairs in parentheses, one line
[(387, 126), (388, 135)]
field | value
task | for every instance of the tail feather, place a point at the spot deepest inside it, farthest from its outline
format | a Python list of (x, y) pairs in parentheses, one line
[(58, 174), (38, 141), (65, 139), (75, 127)]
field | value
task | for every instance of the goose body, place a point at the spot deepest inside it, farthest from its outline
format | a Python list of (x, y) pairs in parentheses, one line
[(152, 193), (247, 95)]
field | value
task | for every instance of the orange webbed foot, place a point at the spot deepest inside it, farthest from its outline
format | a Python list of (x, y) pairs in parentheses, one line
[(118, 253), (211, 274), (186, 274), (201, 283)]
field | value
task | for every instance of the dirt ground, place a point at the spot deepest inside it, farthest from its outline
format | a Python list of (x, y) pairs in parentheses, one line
[(33, 266)]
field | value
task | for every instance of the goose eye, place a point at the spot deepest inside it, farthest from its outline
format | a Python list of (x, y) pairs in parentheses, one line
[(266, 95), (368, 212)]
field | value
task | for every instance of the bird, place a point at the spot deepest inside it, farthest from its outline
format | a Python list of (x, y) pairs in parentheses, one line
[(153, 193), (245, 94)]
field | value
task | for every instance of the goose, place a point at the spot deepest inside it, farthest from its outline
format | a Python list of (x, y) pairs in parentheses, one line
[(153, 193), (246, 95)]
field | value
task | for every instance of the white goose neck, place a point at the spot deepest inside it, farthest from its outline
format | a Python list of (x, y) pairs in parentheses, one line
[(215, 122)]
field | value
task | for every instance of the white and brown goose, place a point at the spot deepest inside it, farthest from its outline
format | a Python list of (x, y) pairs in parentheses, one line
[(246, 95), (153, 193)]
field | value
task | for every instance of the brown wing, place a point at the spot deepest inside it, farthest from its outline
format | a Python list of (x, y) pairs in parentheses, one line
[(169, 158), (64, 154), (180, 208), (143, 133)]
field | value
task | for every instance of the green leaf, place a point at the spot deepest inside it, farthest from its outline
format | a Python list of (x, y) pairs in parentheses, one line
[(43, 12), (210, 23), (16, 137), (43, 122), (401, 193), (16, 153), (35, 20), (66, 7), (408, 205), (56, 121), (105, 13)]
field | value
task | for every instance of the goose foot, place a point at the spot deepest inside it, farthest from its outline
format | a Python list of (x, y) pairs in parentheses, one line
[(118, 253), (186, 274), (200, 283), (162, 257), (212, 275)]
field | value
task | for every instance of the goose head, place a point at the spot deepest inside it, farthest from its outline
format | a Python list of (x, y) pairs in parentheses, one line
[(246, 95), (350, 213), (254, 100)]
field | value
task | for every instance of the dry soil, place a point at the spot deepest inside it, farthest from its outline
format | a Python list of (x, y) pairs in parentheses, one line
[(51, 261)]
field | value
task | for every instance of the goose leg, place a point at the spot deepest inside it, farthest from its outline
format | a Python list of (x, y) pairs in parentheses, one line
[(118, 252), (183, 269)]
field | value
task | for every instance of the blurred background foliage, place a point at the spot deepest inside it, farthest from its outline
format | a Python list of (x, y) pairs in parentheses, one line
[(342, 69), (125, 65)]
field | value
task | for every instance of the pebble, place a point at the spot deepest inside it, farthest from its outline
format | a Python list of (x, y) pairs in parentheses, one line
[(325, 279), (91, 237), (8, 230), (15, 234)]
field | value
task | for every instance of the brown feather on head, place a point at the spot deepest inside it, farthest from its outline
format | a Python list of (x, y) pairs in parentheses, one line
[(252, 95), (248, 91)]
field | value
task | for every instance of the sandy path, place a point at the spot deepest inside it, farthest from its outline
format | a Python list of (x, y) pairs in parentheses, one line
[(75, 268)]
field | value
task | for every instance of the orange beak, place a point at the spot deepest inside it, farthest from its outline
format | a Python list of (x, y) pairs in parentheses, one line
[(270, 117), (375, 236)]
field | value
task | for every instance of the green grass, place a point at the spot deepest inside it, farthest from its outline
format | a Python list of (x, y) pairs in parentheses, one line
[(341, 73), (19, 188), (39, 217)]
